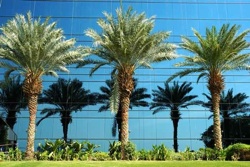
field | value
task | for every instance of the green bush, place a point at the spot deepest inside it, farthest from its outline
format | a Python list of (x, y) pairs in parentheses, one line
[(188, 154), (238, 151), (2, 156), (89, 150), (144, 155), (199, 155), (51, 150), (130, 151), (61, 150), (101, 156), (12, 155), (210, 154), (177, 156), (115, 150), (160, 152)]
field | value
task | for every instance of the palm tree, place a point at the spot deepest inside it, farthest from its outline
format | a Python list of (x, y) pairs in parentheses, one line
[(230, 105), (126, 43), (34, 49), (137, 99), (67, 97), (173, 98), (215, 54), (12, 99)]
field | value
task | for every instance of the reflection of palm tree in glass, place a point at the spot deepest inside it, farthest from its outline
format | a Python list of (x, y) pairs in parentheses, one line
[(173, 98), (239, 131), (214, 54), (12, 99), (230, 105), (67, 96), (137, 99)]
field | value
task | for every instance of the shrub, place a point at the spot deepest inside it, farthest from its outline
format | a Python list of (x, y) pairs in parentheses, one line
[(14, 155), (238, 151), (51, 150), (130, 151), (61, 150), (188, 154), (115, 150), (177, 156), (144, 155), (160, 152), (2, 156), (101, 156), (89, 150), (210, 154)]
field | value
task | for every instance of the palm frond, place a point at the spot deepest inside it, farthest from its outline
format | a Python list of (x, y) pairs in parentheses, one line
[(104, 108), (126, 40), (173, 97), (97, 66), (115, 97), (229, 104), (33, 46), (49, 112), (158, 109), (87, 62), (68, 96), (184, 73)]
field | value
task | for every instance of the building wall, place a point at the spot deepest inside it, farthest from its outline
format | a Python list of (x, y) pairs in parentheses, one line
[(177, 16)]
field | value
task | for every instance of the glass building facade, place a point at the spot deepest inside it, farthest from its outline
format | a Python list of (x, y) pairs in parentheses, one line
[(146, 129)]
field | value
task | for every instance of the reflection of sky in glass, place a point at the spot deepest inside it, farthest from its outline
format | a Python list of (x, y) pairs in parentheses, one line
[(177, 16)]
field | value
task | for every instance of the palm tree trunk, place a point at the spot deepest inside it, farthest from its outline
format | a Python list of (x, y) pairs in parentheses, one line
[(32, 87), (11, 118), (65, 132), (65, 120), (215, 86), (125, 81), (124, 125), (32, 105), (217, 124), (175, 135), (175, 116)]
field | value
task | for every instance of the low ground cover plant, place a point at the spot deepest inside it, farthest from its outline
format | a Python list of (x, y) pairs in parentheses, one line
[(59, 150)]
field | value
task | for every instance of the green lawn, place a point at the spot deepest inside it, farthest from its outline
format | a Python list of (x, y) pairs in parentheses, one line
[(124, 164)]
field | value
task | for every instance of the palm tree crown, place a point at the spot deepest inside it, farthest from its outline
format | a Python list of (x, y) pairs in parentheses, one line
[(126, 43), (218, 52), (67, 97), (34, 49), (173, 98)]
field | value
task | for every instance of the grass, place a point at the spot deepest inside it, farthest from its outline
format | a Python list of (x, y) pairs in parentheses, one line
[(125, 163)]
